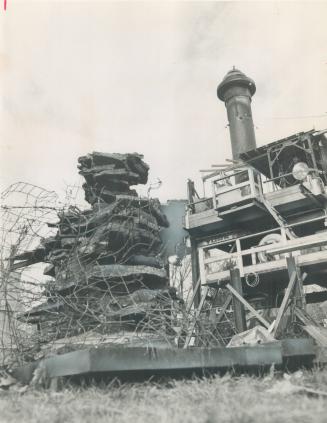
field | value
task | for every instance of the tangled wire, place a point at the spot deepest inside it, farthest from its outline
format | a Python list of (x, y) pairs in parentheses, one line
[(73, 277)]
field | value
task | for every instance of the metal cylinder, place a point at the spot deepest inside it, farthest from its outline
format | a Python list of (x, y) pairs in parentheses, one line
[(236, 90)]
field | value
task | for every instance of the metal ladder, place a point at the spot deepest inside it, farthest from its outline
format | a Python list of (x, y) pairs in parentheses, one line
[(279, 219)]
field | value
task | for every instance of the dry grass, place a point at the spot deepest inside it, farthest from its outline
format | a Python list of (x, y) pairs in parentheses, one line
[(218, 399)]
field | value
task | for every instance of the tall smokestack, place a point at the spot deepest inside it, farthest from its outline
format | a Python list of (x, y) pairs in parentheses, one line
[(236, 90)]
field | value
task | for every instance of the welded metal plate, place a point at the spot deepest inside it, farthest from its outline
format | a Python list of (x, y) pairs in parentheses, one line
[(106, 361), (298, 347), (139, 359)]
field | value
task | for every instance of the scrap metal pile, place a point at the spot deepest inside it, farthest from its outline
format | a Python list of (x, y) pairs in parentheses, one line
[(107, 276)]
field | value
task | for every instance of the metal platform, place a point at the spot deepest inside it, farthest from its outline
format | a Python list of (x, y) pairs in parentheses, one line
[(146, 362)]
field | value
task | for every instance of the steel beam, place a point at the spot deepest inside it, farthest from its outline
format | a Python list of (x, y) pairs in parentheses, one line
[(104, 361), (238, 307)]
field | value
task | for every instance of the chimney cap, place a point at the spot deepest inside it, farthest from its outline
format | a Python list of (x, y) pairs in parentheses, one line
[(235, 77)]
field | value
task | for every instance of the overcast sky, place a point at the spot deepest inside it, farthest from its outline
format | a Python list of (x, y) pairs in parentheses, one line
[(78, 77)]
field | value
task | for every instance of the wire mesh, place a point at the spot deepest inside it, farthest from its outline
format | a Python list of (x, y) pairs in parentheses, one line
[(74, 276)]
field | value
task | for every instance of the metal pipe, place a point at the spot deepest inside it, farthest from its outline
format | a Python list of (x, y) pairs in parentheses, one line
[(236, 90)]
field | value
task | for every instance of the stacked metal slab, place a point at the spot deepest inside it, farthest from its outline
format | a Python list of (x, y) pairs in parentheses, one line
[(105, 263)]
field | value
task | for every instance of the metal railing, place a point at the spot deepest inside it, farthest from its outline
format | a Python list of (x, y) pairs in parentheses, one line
[(219, 264)]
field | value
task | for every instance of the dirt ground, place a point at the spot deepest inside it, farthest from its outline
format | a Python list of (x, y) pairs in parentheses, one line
[(276, 397)]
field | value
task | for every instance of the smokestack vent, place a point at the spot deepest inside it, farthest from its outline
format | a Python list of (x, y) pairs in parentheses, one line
[(236, 91), (235, 77)]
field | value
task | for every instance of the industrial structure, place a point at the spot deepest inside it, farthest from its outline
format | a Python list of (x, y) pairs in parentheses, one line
[(262, 227), (257, 240)]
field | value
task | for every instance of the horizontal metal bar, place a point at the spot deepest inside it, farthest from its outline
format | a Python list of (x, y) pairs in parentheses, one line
[(289, 174), (280, 248), (233, 188), (300, 244), (217, 172), (277, 177), (121, 360), (240, 253), (226, 241)]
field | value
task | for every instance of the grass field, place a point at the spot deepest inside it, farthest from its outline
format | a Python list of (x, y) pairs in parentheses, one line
[(218, 399)]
